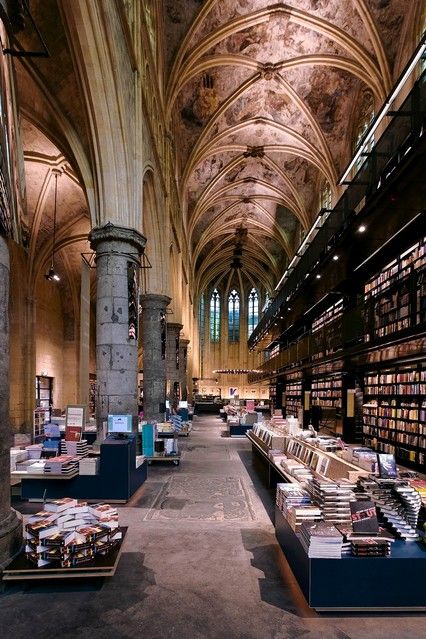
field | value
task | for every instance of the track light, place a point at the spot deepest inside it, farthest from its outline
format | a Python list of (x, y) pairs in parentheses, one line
[(52, 275)]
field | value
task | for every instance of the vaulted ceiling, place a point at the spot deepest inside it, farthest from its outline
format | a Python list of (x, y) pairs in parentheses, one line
[(264, 99)]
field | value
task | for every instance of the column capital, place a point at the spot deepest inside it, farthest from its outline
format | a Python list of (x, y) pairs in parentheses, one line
[(154, 300), (112, 233), (174, 326), (183, 341)]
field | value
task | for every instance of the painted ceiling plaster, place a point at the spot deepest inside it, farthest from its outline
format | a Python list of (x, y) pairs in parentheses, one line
[(263, 98)]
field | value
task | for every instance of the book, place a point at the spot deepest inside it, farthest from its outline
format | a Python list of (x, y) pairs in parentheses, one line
[(364, 516), (387, 466), (73, 433), (58, 505)]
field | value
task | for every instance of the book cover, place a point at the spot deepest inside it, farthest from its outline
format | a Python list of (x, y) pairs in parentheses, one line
[(73, 433), (364, 517), (387, 466)]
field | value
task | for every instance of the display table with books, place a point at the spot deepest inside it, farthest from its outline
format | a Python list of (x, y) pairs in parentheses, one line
[(394, 582), (118, 476), (69, 539)]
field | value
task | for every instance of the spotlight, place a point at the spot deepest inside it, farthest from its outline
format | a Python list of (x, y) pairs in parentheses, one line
[(318, 276), (335, 258), (52, 275), (362, 228)]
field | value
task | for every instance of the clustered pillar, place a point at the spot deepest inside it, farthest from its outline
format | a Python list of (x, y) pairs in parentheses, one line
[(173, 361), (10, 523), (118, 251), (154, 340)]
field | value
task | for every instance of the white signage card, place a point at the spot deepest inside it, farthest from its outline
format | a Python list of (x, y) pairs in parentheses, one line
[(75, 416), (119, 423)]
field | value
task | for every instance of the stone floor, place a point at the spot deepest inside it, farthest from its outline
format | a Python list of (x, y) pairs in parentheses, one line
[(200, 562)]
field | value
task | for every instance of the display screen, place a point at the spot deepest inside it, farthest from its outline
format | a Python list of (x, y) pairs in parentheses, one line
[(183, 404), (119, 423)]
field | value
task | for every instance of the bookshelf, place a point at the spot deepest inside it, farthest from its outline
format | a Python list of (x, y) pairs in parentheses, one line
[(38, 425), (394, 415), (395, 298), (327, 331), (327, 392), (293, 396)]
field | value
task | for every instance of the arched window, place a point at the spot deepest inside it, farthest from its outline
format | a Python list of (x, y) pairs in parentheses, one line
[(215, 316), (253, 311), (233, 316), (201, 318)]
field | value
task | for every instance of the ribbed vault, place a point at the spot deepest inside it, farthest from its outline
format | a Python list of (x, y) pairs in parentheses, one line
[(263, 99)]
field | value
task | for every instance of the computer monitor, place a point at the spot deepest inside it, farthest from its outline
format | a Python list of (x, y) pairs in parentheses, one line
[(183, 404), (119, 424)]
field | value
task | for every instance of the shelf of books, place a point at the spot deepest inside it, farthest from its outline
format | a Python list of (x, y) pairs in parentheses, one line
[(327, 392), (327, 331), (293, 396), (394, 412), (396, 297)]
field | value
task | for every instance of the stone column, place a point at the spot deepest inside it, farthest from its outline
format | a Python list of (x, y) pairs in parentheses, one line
[(154, 338), (118, 250), (183, 367), (173, 359), (10, 523)]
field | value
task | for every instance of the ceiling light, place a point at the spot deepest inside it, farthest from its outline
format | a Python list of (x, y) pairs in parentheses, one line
[(318, 276), (362, 228), (335, 258)]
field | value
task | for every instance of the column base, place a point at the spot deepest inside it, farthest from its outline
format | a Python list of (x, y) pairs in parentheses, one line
[(10, 538)]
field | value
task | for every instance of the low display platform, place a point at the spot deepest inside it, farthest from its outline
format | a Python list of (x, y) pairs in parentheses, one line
[(103, 566), (394, 583)]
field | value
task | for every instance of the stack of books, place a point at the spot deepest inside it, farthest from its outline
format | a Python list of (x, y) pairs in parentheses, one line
[(296, 469), (68, 534), (321, 540), (420, 486), (61, 465), (412, 502), (334, 498), (392, 510), (371, 547), (296, 506), (75, 448)]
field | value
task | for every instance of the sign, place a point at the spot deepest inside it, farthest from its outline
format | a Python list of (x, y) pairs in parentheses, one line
[(75, 416)]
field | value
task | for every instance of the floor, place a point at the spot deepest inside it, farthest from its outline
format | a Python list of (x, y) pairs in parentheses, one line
[(200, 562)]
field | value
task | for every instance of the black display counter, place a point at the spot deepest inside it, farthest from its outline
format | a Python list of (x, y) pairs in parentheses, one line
[(117, 480), (357, 583), (239, 430)]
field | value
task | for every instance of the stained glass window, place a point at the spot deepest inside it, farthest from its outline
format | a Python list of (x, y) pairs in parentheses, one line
[(215, 316), (253, 311), (233, 316)]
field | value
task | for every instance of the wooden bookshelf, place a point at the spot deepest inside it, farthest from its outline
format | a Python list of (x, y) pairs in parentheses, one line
[(293, 396), (327, 392), (394, 415), (395, 298)]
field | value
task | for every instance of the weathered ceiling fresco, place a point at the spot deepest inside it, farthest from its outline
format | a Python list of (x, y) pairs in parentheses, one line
[(264, 99)]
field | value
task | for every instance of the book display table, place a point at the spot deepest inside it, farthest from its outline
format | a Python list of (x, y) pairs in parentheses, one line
[(276, 474), (21, 569), (118, 478), (357, 583)]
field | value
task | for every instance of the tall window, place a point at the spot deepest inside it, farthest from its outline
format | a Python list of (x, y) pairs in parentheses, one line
[(201, 318), (215, 316), (233, 316), (253, 310)]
